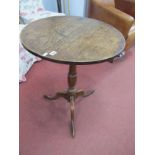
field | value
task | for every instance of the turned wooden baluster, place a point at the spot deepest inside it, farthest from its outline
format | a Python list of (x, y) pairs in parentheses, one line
[(72, 78)]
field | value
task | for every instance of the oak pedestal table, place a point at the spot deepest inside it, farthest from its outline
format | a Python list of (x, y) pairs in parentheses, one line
[(74, 41)]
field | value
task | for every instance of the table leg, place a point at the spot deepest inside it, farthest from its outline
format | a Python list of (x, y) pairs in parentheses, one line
[(71, 94), (72, 110), (84, 93), (57, 95)]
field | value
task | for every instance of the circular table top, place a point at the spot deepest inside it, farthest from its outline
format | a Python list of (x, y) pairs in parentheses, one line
[(72, 40)]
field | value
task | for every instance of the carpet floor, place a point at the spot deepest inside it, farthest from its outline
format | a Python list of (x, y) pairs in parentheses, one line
[(104, 120)]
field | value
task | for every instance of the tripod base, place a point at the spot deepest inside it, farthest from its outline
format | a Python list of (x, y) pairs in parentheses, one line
[(68, 94), (71, 94)]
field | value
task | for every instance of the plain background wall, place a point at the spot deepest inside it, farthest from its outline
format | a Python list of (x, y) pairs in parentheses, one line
[(77, 7), (50, 5)]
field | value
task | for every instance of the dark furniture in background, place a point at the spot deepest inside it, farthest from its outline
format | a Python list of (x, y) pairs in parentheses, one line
[(119, 13), (127, 6), (59, 6)]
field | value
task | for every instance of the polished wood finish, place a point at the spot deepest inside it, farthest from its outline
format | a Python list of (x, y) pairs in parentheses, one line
[(76, 40), (73, 41)]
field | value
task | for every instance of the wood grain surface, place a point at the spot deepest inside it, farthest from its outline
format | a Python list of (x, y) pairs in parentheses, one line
[(72, 40)]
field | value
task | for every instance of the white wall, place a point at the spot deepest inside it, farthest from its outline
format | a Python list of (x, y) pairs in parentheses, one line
[(50, 5), (76, 6)]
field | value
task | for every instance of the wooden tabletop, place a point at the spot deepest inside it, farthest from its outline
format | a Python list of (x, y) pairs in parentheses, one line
[(72, 40)]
